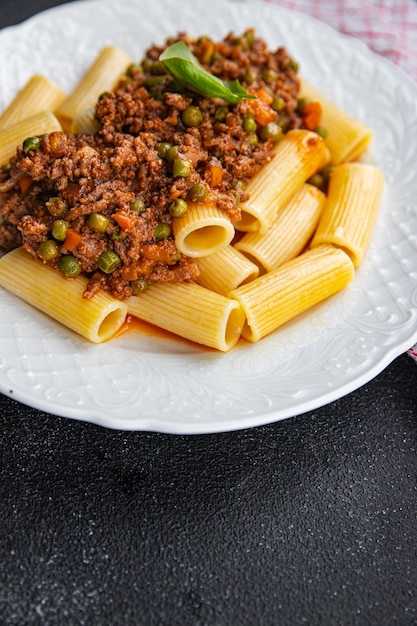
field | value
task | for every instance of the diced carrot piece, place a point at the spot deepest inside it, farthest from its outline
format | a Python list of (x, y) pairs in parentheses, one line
[(311, 115), (25, 182), (72, 240), (214, 175), (124, 221)]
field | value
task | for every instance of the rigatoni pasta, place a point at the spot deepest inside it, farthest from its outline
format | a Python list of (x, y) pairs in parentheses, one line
[(37, 95), (192, 312), (299, 155), (205, 265), (347, 138), (100, 77), (354, 196), (225, 270), (12, 136), (97, 319), (279, 296), (290, 232), (203, 230)]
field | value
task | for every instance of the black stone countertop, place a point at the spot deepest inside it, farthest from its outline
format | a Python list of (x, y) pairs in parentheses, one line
[(311, 520)]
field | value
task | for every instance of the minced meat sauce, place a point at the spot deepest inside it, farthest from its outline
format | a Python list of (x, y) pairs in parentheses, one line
[(103, 203)]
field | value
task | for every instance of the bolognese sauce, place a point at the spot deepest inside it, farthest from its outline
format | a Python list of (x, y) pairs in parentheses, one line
[(103, 203)]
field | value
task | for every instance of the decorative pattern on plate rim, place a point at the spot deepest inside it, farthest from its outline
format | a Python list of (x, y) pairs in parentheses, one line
[(144, 382)]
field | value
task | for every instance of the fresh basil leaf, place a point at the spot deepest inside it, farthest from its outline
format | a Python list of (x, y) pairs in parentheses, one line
[(184, 66)]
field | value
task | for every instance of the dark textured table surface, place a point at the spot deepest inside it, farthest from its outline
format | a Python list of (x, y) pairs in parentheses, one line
[(308, 521)]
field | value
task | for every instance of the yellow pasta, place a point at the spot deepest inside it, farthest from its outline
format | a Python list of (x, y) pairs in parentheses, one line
[(290, 232), (101, 76), (38, 94), (276, 297), (346, 137), (38, 124), (203, 230), (62, 299), (225, 270), (85, 121), (299, 155), (192, 312), (354, 196)]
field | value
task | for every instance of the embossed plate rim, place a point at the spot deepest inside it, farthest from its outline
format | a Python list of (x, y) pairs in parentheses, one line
[(162, 384)]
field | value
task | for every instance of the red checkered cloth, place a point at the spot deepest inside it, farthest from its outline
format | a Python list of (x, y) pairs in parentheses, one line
[(388, 27)]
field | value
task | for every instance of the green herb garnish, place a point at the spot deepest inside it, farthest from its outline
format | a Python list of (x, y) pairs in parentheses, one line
[(184, 66)]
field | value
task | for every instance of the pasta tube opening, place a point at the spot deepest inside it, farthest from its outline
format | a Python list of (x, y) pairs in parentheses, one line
[(277, 297), (203, 230), (299, 155), (192, 312), (62, 299)]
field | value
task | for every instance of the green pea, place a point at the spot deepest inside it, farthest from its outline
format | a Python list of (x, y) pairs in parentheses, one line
[(117, 234), (163, 148), (301, 102), (269, 76), (192, 116), (108, 261), (132, 69), (253, 139), (249, 124), (250, 75), (48, 250), (103, 95), (250, 37), (153, 81), (270, 131), (322, 132), (56, 206), (69, 266), (156, 68), (31, 143), (138, 205), (317, 180), (138, 286), (198, 192), (176, 256), (162, 231), (220, 113), (277, 103), (147, 64), (59, 229), (171, 153), (98, 222), (216, 56), (293, 65), (6, 167), (181, 168), (178, 208)]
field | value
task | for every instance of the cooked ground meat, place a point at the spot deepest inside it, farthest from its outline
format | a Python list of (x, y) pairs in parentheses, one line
[(110, 192)]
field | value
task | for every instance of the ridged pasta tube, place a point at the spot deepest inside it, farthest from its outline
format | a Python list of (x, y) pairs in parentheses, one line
[(37, 95), (290, 232), (346, 137), (279, 296), (62, 299), (225, 270), (192, 312), (203, 230), (299, 155), (101, 76), (348, 217), (38, 124)]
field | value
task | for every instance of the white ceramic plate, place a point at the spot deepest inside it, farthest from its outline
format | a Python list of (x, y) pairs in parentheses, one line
[(146, 382)]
